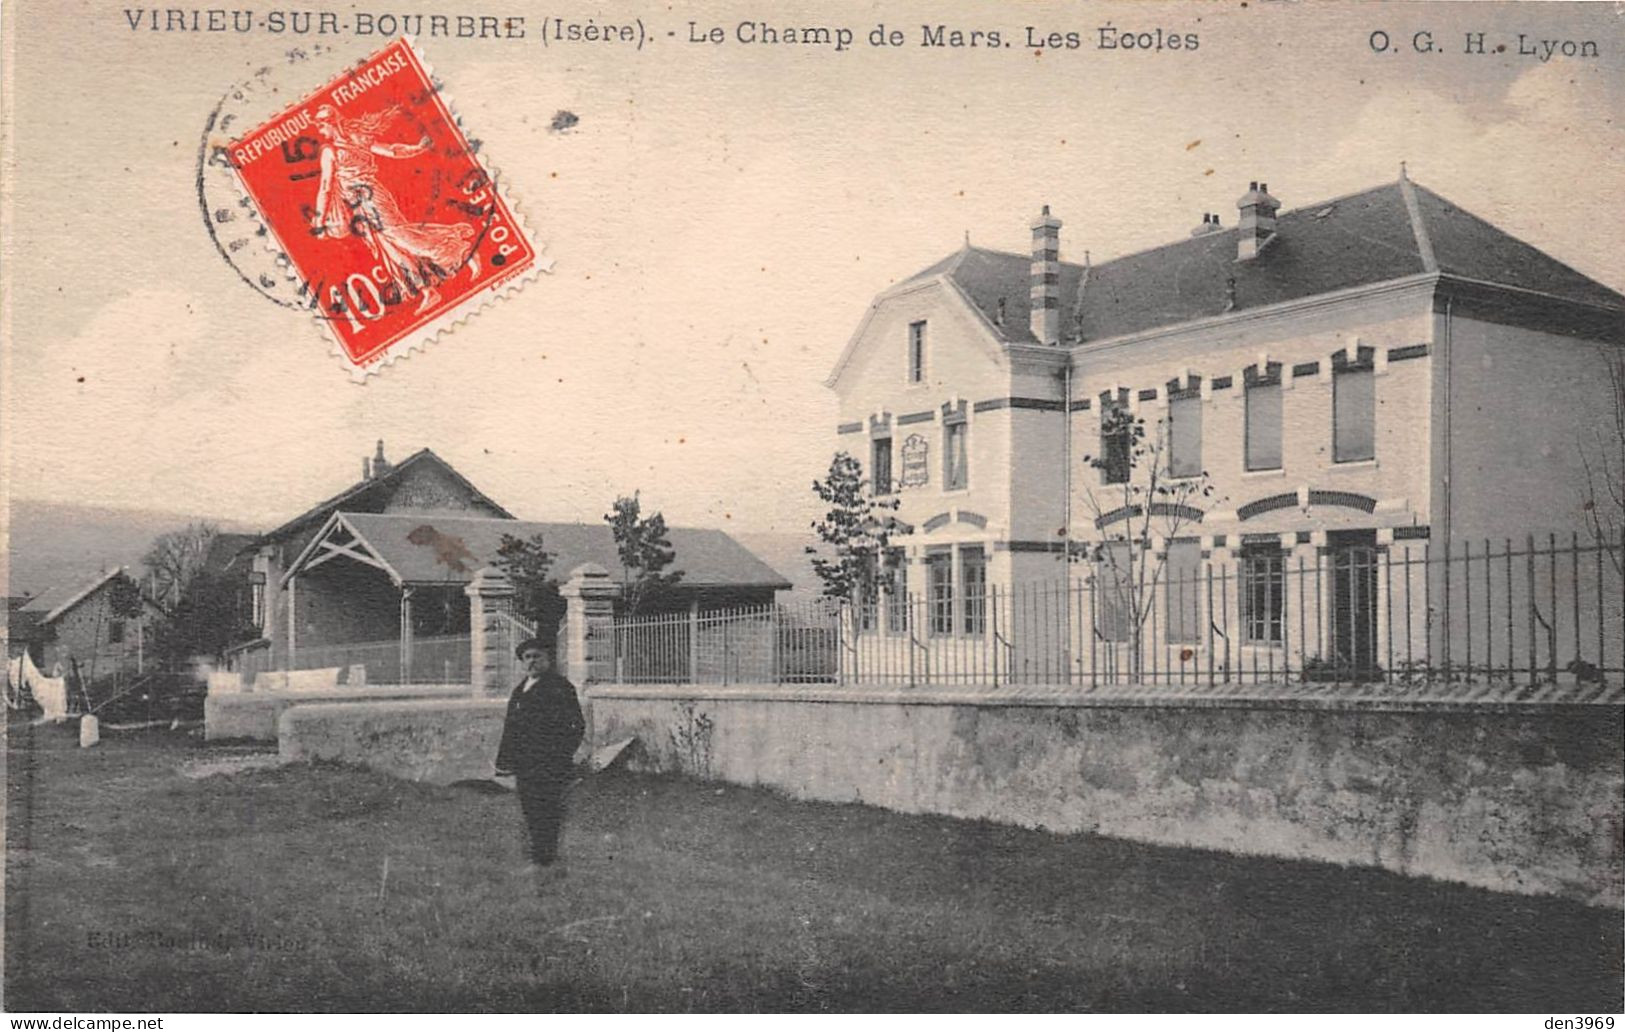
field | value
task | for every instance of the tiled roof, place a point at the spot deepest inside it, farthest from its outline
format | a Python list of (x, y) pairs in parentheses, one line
[(54, 601), (436, 549), (1359, 240), (225, 548)]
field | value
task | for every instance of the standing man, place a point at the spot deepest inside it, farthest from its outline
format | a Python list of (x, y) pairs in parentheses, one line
[(539, 739)]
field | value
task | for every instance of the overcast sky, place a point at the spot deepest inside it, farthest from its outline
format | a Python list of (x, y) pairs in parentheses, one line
[(720, 219)]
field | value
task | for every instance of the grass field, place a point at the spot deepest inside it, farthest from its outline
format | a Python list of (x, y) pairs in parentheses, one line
[(137, 880)]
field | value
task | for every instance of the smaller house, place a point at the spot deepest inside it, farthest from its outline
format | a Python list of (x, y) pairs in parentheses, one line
[(77, 629), (372, 576), (22, 630), (423, 482)]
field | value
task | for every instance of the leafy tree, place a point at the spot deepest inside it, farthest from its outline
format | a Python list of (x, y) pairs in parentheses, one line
[(855, 531), (645, 552), (209, 618), (1137, 504), (176, 557), (124, 596), (528, 565)]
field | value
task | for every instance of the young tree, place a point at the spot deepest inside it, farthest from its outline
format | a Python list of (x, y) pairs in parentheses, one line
[(1137, 506), (528, 565), (176, 557), (1603, 458), (645, 553), (855, 530)]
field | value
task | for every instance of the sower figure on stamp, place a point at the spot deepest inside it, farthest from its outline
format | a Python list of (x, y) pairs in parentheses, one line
[(539, 739)]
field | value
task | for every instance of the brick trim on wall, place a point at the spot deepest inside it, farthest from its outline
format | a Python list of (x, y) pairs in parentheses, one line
[(1038, 404)]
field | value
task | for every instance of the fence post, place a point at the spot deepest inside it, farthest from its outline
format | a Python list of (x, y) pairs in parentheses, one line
[(694, 642), (490, 601), (589, 616)]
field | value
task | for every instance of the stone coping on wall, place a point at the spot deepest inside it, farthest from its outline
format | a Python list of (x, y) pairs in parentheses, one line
[(1377, 698), (340, 693), (372, 707)]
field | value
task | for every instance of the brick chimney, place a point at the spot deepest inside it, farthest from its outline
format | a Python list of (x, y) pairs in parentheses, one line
[(1046, 279), (1210, 224), (366, 468), (1257, 224), (380, 465)]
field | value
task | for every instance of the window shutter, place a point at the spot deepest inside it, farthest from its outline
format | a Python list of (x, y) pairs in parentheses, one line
[(1354, 412), (1264, 426)]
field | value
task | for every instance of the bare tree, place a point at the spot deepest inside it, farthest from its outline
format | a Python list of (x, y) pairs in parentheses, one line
[(1603, 457), (1138, 506), (176, 558)]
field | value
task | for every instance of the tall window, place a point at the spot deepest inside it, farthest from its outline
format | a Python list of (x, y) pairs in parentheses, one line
[(1182, 589), (973, 586), (1264, 418), (955, 463), (1354, 412), (1116, 440), (880, 476), (115, 632), (1114, 604), (895, 576), (1263, 594), (1185, 435), (916, 352), (940, 585)]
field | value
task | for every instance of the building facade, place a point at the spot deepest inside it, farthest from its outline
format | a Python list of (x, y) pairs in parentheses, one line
[(80, 631), (376, 576), (1242, 432)]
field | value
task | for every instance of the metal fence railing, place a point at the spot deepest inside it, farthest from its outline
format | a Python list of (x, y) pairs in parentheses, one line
[(793, 643), (1491, 614), (418, 660)]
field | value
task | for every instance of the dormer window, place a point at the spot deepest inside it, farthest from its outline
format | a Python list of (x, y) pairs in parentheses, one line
[(916, 352)]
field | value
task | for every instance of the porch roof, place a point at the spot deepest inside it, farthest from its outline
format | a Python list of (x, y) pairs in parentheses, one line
[(426, 549)]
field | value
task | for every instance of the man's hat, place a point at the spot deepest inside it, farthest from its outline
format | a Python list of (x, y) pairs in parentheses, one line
[(533, 643)]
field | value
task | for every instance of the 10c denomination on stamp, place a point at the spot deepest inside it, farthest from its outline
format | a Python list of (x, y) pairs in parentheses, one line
[(390, 222)]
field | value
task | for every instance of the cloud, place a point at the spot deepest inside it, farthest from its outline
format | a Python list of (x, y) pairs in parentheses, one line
[(1542, 164)]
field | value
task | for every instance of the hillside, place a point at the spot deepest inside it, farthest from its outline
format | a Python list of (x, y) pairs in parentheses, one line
[(52, 542), (787, 554)]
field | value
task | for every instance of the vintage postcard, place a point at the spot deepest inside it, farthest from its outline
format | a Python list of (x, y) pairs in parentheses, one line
[(899, 506)]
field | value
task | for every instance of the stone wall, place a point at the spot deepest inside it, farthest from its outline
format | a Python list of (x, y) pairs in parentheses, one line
[(434, 740), (1513, 796), (253, 715)]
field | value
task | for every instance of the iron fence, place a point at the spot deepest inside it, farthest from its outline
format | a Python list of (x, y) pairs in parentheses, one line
[(443, 659), (1487, 615)]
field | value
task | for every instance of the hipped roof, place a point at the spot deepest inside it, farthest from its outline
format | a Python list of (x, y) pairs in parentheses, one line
[(1364, 239)]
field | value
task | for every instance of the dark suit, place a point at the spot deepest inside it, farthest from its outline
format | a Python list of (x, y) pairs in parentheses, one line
[(539, 738)]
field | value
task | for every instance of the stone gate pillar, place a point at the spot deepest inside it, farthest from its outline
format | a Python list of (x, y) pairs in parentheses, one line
[(490, 631), (588, 652)]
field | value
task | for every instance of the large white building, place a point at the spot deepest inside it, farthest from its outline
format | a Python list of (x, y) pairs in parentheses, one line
[(1327, 388)]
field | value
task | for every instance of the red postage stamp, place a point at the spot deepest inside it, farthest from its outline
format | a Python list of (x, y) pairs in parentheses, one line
[(389, 220)]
